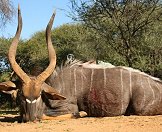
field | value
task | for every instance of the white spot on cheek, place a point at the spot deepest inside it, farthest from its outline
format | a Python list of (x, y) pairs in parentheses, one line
[(28, 101), (34, 101)]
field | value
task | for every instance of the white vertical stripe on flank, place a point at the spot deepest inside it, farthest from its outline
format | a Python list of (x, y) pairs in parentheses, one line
[(104, 87), (121, 77), (104, 78), (91, 79), (71, 77), (62, 78), (153, 94), (75, 82), (157, 85), (82, 88), (82, 75), (130, 79), (143, 102)]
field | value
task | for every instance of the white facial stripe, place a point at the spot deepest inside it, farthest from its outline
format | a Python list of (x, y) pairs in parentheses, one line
[(28, 101), (34, 101)]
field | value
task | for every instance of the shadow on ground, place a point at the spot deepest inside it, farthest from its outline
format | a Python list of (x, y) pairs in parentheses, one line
[(9, 116), (9, 119)]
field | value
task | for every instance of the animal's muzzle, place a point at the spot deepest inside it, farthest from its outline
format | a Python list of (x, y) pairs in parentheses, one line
[(30, 114)]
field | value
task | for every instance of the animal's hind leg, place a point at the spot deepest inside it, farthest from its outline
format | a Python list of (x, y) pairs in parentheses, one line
[(150, 110)]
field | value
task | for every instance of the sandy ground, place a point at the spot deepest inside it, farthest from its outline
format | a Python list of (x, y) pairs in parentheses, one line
[(106, 124)]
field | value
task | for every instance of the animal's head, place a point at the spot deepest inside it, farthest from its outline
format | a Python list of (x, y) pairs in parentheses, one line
[(32, 88)]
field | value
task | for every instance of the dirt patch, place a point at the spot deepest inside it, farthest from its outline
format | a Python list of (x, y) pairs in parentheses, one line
[(8, 123)]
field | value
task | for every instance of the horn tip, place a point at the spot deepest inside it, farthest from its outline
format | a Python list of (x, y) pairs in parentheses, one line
[(18, 6), (54, 12)]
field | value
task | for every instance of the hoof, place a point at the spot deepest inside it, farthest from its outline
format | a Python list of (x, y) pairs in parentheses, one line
[(82, 113)]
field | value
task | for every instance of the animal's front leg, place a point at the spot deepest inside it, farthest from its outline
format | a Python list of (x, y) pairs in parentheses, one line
[(66, 116)]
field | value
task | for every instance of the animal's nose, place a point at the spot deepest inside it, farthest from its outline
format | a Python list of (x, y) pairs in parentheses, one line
[(33, 119), (36, 120), (25, 118)]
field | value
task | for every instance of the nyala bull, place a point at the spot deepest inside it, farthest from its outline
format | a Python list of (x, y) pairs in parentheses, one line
[(95, 90)]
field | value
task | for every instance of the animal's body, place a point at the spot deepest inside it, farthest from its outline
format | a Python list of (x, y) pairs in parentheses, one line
[(107, 91)]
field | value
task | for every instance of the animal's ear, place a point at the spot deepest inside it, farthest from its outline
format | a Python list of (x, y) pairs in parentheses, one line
[(7, 86), (52, 93)]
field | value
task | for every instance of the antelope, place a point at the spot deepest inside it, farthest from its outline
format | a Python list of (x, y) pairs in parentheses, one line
[(82, 89), (33, 90)]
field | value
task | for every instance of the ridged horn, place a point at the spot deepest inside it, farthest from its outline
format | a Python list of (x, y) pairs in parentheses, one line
[(51, 52), (12, 51)]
